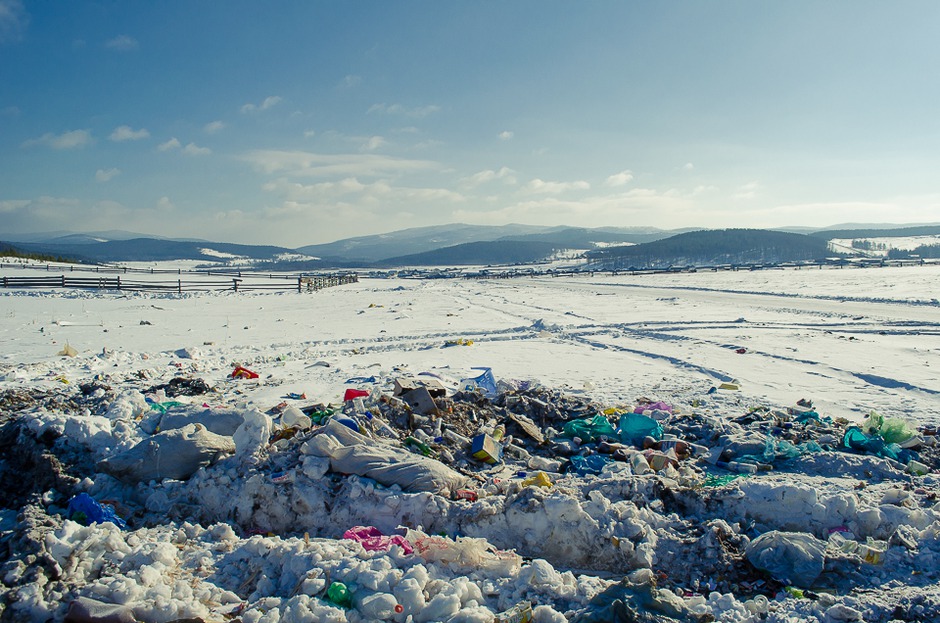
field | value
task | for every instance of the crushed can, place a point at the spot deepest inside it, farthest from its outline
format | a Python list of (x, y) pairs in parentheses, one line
[(465, 494)]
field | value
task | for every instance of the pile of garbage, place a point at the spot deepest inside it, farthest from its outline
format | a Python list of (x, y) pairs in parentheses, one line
[(414, 498)]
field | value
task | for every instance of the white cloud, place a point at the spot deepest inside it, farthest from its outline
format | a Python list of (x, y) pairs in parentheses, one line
[(192, 149), (354, 199), (122, 43), (350, 81), (373, 143), (173, 143), (268, 102), (310, 133), (11, 205), (620, 179), (213, 127), (13, 21), (553, 188), (506, 135), (748, 191), (165, 205), (309, 164), (688, 166), (126, 133), (398, 109), (106, 175), (505, 174), (616, 209), (74, 139)]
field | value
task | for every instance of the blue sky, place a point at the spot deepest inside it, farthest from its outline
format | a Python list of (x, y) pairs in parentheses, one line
[(295, 123)]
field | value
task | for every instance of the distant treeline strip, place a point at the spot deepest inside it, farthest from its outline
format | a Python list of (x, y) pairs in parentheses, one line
[(235, 284)]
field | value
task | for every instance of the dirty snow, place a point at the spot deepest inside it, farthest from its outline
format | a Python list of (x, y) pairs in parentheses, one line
[(257, 533)]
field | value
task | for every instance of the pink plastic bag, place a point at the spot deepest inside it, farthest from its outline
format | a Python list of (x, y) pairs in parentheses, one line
[(373, 540)]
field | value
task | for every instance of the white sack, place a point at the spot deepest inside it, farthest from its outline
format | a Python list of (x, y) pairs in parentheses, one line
[(175, 454)]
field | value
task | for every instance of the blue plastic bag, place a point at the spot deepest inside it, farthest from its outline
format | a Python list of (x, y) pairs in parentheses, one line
[(592, 464), (485, 381), (86, 510)]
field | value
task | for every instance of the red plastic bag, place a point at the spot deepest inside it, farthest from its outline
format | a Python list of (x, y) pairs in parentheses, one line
[(243, 373), (354, 393)]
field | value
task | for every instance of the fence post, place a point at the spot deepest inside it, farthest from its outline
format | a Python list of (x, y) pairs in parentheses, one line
[(63, 281), (179, 286), (300, 281), (235, 284), (119, 282)]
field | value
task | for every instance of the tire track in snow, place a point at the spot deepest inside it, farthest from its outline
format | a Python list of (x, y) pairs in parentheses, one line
[(793, 295), (670, 331)]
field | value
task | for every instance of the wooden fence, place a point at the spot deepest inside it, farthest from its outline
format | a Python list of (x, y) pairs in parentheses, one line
[(310, 283)]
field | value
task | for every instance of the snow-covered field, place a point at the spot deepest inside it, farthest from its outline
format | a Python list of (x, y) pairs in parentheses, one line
[(257, 533)]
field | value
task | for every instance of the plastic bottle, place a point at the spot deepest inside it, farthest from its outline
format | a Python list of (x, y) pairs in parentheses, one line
[(639, 464), (339, 595), (498, 432), (419, 446), (737, 466), (382, 428), (455, 438), (420, 435), (517, 451)]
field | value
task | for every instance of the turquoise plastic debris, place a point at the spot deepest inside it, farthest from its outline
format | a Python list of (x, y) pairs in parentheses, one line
[(592, 464), (855, 439), (589, 429), (163, 407), (633, 428), (780, 450)]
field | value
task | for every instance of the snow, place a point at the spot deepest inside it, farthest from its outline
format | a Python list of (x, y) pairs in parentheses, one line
[(884, 244), (258, 533)]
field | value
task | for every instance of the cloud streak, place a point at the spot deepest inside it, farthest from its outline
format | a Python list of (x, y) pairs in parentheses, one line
[(417, 112), (504, 174), (106, 175), (122, 43), (73, 139), (13, 21), (169, 145), (268, 103), (309, 164), (619, 179), (192, 149), (553, 188), (213, 127), (126, 133)]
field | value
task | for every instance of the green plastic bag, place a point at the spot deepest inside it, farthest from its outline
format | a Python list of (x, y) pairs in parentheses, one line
[(589, 429), (892, 430)]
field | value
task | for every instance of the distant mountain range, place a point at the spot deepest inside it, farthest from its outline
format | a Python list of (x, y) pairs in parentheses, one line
[(461, 244)]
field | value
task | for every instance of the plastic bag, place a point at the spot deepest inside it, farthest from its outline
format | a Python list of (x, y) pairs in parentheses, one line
[(892, 430), (86, 510), (485, 382), (592, 464), (589, 429), (373, 540), (633, 427), (795, 557)]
